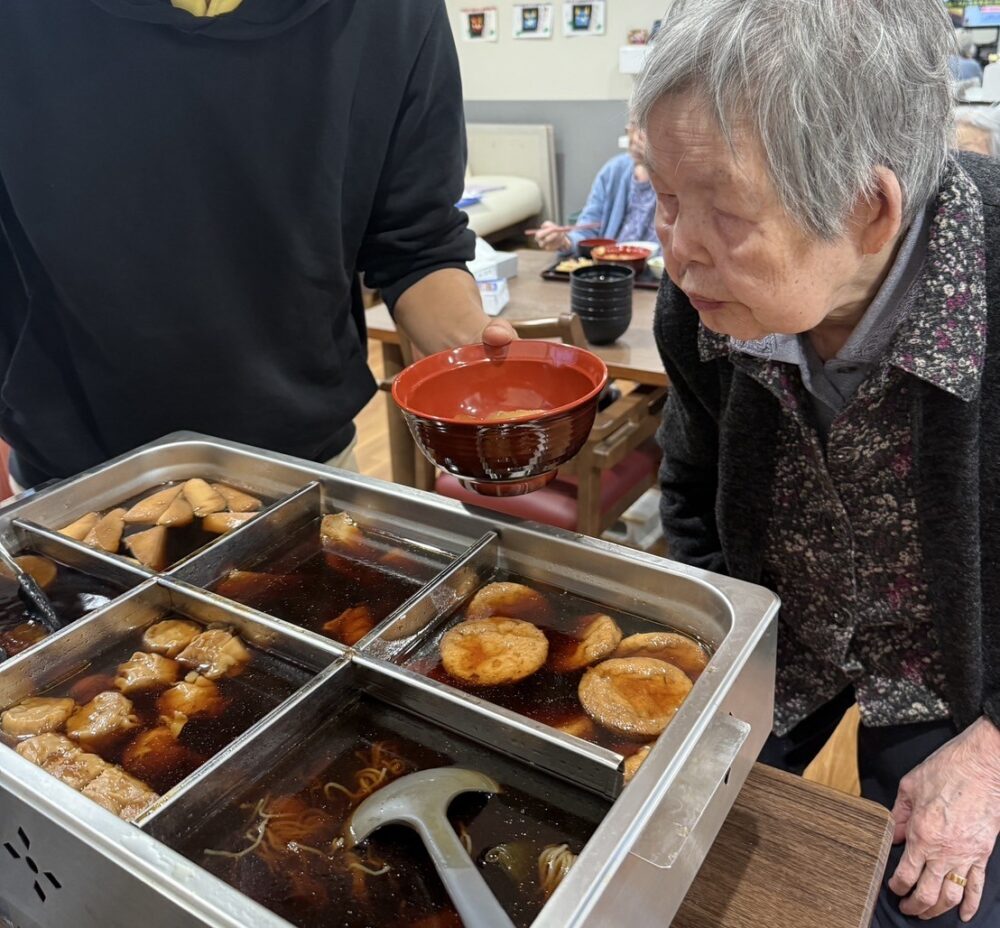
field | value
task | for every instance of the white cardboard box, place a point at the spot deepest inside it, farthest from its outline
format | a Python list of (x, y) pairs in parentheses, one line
[(490, 264)]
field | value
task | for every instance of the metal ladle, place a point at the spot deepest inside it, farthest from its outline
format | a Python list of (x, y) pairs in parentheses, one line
[(420, 801), (30, 593)]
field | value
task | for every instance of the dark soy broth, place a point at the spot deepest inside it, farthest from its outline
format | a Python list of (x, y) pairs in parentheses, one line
[(72, 593), (264, 684), (545, 696), (299, 871), (309, 582)]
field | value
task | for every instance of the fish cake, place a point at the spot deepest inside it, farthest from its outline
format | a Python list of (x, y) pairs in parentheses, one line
[(36, 715), (679, 650), (215, 653), (635, 761), (635, 697), (170, 637), (102, 721), (599, 636), (145, 672), (194, 697), (493, 651), (75, 768), (42, 748), (511, 600), (120, 793)]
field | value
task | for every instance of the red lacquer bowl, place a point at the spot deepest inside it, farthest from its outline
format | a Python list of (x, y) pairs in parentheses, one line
[(629, 255), (547, 393)]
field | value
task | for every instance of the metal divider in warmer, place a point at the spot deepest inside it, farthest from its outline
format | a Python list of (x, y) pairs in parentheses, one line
[(77, 555), (251, 542)]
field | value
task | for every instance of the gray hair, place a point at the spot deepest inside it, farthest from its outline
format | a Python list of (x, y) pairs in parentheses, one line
[(833, 89)]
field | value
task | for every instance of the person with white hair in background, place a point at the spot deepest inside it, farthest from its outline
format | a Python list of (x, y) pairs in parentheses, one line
[(977, 128), (831, 329)]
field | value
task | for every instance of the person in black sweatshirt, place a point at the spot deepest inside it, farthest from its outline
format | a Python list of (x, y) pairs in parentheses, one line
[(187, 200)]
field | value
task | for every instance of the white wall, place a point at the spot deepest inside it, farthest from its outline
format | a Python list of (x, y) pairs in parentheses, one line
[(560, 68)]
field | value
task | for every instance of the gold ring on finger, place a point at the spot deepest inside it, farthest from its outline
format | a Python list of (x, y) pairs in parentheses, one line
[(955, 878)]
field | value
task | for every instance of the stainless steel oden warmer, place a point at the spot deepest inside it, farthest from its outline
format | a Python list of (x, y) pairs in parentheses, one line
[(66, 861)]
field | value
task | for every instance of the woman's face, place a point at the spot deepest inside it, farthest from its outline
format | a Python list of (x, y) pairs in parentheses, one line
[(747, 269)]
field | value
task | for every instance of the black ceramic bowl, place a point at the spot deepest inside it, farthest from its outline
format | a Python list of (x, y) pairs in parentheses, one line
[(604, 331)]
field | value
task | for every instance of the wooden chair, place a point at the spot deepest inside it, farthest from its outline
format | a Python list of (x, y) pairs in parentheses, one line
[(616, 466)]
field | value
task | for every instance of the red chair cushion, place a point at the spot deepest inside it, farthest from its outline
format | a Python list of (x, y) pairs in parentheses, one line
[(556, 503)]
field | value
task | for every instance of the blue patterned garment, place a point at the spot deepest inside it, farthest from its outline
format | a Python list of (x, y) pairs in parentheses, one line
[(639, 224)]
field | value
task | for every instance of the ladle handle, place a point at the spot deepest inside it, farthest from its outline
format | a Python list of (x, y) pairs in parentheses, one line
[(476, 904)]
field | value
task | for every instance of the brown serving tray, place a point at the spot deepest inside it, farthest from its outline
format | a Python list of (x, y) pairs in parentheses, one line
[(643, 281)]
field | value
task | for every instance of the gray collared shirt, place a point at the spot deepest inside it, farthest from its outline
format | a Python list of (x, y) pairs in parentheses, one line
[(831, 384)]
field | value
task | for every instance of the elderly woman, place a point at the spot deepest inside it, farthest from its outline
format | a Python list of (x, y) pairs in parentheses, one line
[(831, 329), (621, 204)]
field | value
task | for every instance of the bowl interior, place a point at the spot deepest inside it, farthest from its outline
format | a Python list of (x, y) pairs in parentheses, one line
[(475, 385)]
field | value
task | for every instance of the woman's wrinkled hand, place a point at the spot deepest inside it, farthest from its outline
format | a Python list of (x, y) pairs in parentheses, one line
[(948, 813)]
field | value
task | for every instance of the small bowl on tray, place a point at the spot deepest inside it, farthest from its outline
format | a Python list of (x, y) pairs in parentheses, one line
[(629, 255), (502, 420)]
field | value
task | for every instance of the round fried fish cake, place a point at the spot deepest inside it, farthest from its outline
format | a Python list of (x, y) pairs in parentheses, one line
[(633, 763), (679, 650), (512, 600), (598, 638), (635, 697), (493, 651)]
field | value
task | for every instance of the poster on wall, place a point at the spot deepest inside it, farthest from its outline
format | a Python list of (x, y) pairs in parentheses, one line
[(583, 18), (480, 25), (533, 20)]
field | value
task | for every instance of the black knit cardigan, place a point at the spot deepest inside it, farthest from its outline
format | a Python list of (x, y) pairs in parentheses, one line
[(718, 438)]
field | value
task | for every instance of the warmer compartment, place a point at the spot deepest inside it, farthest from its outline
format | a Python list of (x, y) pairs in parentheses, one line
[(597, 656), (278, 836), (333, 572), (75, 582), (126, 704)]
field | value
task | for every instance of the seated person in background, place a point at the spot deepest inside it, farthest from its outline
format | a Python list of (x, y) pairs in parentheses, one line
[(977, 128), (965, 67), (621, 204)]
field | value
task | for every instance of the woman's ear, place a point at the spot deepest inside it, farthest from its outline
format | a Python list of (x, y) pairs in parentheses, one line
[(880, 218)]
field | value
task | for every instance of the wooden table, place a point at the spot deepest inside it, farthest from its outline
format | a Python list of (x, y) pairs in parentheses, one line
[(633, 357), (791, 855)]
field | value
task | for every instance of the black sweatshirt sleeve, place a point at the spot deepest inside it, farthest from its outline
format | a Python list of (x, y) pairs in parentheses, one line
[(689, 437), (415, 227)]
